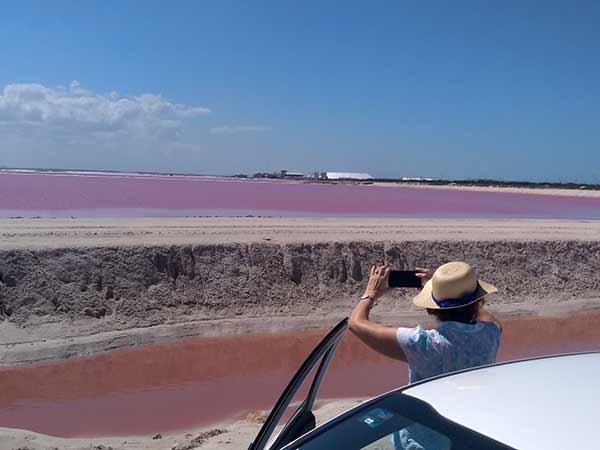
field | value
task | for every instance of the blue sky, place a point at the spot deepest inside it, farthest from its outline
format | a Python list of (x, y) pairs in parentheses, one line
[(441, 89)]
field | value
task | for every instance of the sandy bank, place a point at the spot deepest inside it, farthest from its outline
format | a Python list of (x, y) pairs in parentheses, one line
[(232, 434), (581, 192), (73, 287), (34, 234)]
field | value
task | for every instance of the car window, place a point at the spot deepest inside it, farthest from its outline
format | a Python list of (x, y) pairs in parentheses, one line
[(413, 437), (391, 442), (394, 422), (385, 430)]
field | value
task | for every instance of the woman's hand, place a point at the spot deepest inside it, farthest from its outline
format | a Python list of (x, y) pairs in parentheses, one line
[(378, 282), (423, 273), (380, 338)]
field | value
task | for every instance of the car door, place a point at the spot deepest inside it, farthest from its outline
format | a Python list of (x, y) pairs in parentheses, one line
[(303, 419)]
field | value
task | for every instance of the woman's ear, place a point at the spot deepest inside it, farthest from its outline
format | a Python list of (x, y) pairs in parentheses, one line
[(478, 306)]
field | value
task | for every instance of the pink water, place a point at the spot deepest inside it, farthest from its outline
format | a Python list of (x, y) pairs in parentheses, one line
[(124, 195)]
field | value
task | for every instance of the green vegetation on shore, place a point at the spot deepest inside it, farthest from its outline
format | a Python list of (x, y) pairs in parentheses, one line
[(497, 183)]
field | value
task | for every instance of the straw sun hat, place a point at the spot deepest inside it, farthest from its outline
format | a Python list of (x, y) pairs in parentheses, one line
[(453, 285)]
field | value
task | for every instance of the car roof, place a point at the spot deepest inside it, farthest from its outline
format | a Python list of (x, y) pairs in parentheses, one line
[(548, 403)]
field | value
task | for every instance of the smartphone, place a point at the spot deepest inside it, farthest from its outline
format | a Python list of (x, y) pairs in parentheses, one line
[(404, 279)]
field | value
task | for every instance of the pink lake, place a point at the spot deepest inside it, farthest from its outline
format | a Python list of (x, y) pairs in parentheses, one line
[(41, 194)]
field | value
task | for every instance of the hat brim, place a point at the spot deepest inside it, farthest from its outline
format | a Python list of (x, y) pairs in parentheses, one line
[(425, 300)]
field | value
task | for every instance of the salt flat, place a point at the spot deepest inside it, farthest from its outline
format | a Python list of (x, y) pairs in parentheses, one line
[(67, 233)]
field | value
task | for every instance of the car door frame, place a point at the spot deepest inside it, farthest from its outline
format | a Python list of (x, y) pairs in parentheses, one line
[(302, 420)]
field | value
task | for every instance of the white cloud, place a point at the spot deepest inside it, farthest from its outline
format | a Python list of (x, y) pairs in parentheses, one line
[(81, 113), (239, 129)]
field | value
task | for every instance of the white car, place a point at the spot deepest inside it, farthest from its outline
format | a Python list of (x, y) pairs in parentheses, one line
[(542, 403)]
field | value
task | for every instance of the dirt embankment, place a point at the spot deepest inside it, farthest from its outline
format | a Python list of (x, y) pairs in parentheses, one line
[(62, 302)]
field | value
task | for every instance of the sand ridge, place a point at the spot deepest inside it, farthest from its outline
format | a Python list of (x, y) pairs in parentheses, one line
[(78, 286)]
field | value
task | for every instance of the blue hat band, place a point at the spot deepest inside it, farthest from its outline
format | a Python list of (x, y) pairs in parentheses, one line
[(456, 302)]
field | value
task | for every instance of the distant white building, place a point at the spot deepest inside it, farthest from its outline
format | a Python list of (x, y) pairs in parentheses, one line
[(294, 175), (348, 176), (416, 179)]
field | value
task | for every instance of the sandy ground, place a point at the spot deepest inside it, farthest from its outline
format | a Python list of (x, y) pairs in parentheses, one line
[(68, 233), (581, 192), (228, 435)]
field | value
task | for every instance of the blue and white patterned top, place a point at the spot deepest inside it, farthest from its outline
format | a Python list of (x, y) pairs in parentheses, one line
[(450, 346)]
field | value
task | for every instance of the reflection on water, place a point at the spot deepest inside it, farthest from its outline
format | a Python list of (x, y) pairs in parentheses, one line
[(196, 381)]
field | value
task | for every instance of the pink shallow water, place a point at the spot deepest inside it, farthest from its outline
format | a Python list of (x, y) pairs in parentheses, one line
[(122, 195), (199, 381)]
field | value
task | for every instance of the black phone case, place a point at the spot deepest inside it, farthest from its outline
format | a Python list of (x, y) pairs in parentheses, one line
[(404, 278)]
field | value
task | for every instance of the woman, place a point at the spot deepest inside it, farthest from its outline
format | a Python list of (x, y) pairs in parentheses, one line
[(465, 334)]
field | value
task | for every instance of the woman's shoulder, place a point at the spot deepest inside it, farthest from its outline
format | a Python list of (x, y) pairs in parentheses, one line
[(467, 327), (489, 326), (418, 337)]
